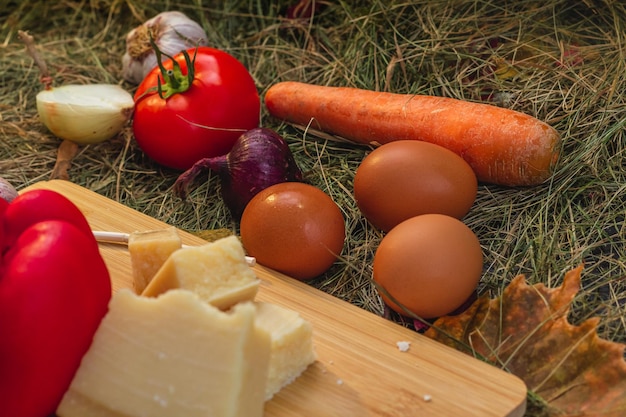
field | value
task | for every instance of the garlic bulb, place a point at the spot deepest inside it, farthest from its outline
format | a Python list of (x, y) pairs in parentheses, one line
[(85, 114), (172, 32)]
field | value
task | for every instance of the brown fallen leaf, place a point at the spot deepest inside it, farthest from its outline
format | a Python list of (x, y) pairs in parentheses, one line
[(526, 332)]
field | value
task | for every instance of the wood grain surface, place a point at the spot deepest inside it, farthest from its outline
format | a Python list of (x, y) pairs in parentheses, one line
[(360, 371)]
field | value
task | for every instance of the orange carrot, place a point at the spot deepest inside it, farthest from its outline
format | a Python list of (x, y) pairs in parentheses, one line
[(503, 146)]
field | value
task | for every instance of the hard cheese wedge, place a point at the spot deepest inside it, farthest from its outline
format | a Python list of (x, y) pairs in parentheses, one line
[(291, 345), (173, 355), (216, 271), (149, 251), (219, 274)]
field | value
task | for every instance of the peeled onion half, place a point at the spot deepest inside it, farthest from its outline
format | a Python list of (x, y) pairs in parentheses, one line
[(85, 114)]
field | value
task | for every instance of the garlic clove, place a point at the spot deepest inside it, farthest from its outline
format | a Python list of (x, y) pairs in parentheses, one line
[(172, 32), (85, 114)]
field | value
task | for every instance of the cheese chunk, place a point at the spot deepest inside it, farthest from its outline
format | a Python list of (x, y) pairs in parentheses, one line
[(171, 356), (149, 251), (217, 272), (291, 345)]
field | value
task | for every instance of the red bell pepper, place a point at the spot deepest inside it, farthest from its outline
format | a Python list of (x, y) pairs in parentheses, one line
[(54, 291)]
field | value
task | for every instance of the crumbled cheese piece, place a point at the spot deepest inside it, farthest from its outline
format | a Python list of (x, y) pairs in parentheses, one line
[(291, 345), (427, 398), (403, 346), (217, 272)]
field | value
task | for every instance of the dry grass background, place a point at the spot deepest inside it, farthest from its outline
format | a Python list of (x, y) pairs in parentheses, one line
[(562, 61)]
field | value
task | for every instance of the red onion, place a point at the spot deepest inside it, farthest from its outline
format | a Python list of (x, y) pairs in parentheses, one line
[(259, 158)]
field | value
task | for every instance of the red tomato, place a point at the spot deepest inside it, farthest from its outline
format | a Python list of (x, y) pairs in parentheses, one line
[(202, 121)]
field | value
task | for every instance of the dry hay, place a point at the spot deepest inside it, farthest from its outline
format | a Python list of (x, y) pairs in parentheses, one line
[(561, 61)]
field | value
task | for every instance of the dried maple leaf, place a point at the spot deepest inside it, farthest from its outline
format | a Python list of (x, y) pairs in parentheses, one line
[(526, 332)]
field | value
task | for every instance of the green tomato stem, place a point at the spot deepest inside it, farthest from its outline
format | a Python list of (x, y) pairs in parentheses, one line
[(175, 81)]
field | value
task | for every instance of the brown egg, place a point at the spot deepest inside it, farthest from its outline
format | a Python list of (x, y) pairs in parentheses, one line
[(293, 228), (406, 178), (429, 264)]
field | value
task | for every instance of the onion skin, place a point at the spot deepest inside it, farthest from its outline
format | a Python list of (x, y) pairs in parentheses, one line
[(258, 159)]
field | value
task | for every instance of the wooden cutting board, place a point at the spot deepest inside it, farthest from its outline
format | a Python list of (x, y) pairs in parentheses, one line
[(360, 371)]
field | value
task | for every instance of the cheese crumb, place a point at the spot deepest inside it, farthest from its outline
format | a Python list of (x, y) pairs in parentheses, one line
[(161, 401), (403, 346), (427, 398)]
